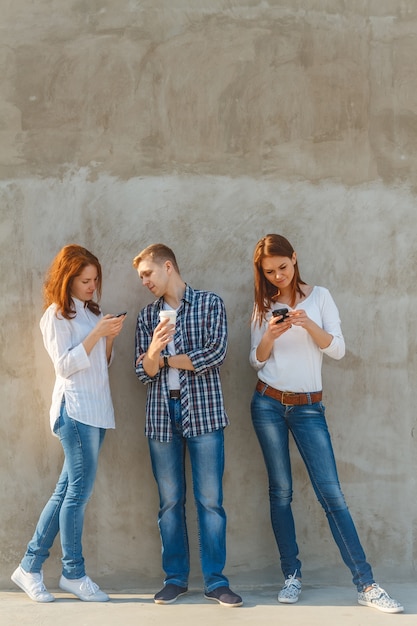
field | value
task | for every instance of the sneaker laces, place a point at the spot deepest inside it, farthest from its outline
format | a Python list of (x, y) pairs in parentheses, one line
[(89, 586), (291, 580)]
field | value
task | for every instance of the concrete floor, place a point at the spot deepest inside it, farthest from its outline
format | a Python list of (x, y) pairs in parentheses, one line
[(318, 606)]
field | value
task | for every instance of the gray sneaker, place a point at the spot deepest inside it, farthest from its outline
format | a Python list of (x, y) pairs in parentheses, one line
[(291, 590), (378, 598)]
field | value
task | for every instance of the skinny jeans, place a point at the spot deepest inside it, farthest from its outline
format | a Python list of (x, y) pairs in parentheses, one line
[(273, 422), (64, 512)]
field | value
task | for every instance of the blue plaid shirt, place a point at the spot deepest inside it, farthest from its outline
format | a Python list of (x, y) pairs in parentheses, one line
[(201, 334)]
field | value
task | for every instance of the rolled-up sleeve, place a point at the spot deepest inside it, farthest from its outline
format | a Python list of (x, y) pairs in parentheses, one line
[(213, 352), (143, 338), (331, 324), (257, 332)]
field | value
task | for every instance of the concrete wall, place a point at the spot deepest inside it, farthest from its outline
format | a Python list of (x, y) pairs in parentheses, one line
[(206, 124)]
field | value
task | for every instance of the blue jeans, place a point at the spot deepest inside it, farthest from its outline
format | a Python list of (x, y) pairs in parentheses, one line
[(273, 422), (64, 512), (207, 466)]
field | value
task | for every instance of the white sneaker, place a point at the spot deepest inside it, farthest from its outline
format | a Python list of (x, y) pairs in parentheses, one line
[(84, 588), (32, 585), (378, 598), (291, 590)]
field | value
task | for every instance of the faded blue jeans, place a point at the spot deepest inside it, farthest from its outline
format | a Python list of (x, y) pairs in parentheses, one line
[(64, 512), (273, 422), (207, 466)]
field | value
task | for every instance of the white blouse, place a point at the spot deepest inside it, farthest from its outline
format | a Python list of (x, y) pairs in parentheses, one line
[(296, 360), (81, 378)]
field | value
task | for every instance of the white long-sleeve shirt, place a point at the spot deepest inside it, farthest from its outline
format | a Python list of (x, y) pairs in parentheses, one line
[(83, 379), (295, 361)]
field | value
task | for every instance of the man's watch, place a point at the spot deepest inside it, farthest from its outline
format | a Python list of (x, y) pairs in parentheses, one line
[(166, 364)]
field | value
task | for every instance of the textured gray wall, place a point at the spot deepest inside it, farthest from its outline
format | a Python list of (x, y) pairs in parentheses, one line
[(206, 124)]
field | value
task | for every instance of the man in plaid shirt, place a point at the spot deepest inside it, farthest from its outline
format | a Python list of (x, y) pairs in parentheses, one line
[(184, 410)]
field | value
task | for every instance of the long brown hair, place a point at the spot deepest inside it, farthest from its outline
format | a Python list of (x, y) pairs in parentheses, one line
[(265, 292), (68, 264)]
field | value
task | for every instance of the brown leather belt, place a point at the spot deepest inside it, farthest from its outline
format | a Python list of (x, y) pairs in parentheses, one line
[(288, 398), (174, 393)]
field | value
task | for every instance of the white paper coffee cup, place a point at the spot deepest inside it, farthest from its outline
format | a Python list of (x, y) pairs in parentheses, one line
[(170, 315)]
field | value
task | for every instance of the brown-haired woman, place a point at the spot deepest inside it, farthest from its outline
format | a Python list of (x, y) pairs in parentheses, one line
[(79, 340), (293, 325)]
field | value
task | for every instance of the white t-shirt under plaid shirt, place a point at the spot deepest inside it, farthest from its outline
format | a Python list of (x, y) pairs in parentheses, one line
[(201, 334)]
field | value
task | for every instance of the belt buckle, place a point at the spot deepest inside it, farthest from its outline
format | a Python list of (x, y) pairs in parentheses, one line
[(286, 393)]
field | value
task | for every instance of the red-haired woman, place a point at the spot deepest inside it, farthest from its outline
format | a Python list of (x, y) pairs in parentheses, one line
[(79, 340), (293, 325)]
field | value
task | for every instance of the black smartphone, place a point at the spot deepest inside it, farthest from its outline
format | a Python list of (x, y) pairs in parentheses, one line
[(283, 312), (120, 314)]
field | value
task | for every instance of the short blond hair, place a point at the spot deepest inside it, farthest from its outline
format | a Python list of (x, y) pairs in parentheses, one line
[(159, 253)]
